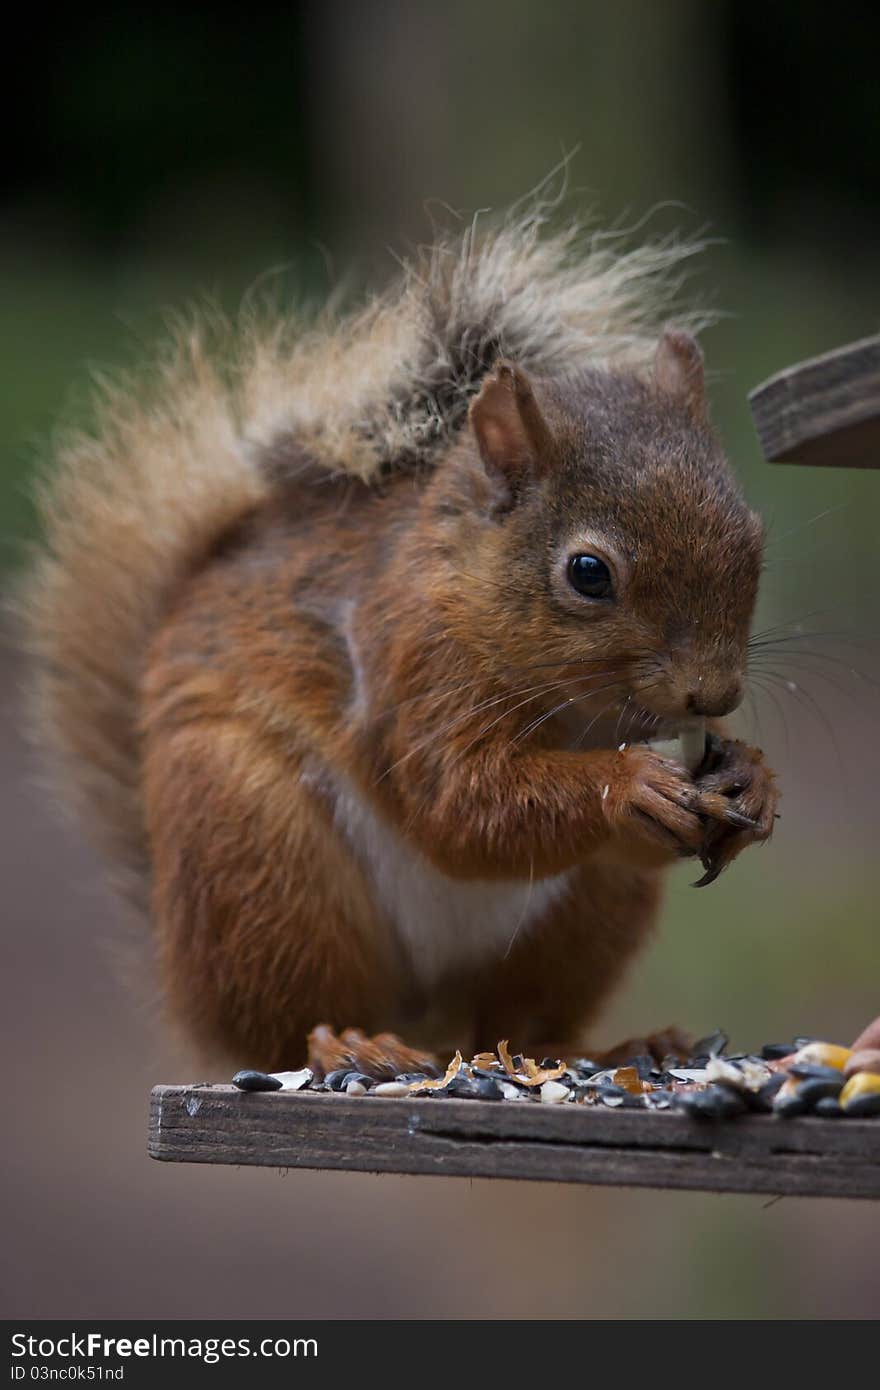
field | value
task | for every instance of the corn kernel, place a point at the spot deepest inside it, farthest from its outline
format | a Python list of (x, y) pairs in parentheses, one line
[(864, 1083), (822, 1054)]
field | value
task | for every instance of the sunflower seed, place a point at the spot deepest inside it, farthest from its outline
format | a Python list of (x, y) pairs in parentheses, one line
[(256, 1081)]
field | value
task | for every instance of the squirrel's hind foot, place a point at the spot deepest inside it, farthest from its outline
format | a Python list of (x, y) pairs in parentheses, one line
[(382, 1057)]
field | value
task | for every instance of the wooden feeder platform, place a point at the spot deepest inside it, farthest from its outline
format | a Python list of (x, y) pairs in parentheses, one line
[(824, 411), (801, 1157)]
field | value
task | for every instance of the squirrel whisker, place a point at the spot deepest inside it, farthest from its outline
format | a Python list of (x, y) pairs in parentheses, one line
[(548, 714), (491, 725), (476, 709), (436, 694)]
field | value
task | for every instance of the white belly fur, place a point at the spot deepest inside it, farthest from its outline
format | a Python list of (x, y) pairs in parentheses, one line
[(443, 923)]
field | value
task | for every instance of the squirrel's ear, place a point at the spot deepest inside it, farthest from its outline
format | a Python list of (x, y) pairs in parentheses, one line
[(678, 371), (510, 430)]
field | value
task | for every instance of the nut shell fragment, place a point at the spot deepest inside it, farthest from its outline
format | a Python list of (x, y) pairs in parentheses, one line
[(531, 1074), (440, 1082)]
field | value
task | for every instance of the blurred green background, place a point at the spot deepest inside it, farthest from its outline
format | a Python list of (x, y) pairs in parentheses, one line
[(166, 154)]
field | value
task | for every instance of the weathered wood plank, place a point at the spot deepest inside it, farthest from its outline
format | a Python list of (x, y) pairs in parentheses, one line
[(758, 1153), (823, 411)]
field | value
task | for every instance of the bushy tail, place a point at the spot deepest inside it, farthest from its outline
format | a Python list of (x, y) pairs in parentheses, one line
[(127, 512), (386, 388), (132, 507)]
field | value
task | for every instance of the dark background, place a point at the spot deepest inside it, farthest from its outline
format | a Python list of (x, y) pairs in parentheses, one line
[(159, 155)]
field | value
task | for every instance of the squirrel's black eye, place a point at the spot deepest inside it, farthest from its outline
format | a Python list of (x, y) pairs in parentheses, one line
[(590, 576)]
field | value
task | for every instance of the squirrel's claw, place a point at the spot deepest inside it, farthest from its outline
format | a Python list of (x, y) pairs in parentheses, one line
[(740, 793), (713, 869)]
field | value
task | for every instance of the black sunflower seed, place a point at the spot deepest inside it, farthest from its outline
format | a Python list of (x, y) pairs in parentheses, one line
[(478, 1088), (356, 1076), (811, 1071), (256, 1081), (819, 1088), (790, 1105), (861, 1107), (713, 1103), (829, 1107), (586, 1068), (336, 1079)]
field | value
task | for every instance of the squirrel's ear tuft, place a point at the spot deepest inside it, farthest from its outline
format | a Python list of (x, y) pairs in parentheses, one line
[(678, 371), (510, 430)]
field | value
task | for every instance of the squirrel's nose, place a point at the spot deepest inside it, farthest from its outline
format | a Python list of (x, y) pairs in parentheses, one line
[(708, 699)]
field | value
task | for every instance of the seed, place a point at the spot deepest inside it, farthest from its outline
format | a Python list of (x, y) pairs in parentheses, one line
[(789, 1106), (390, 1088), (719, 1070), (365, 1081), (355, 1088), (866, 1059), (823, 1054), (810, 1071), (829, 1108), (586, 1068), (861, 1094), (693, 744), (755, 1072), (336, 1079), (727, 1102), (487, 1088), (818, 1089), (762, 1099), (659, 1100), (511, 1092), (477, 1088), (256, 1081), (774, 1052), (789, 1100), (714, 1103), (553, 1093), (604, 1078), (612, 1096), (697, 1074), (863, 1107)]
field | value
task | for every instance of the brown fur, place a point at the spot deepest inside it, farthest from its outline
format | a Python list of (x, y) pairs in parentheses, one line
[(289, 614)]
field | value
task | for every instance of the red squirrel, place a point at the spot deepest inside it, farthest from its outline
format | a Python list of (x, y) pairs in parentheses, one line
[(353, 651)]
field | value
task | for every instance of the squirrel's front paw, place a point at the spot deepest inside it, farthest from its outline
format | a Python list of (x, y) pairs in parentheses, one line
[(737, 773), (649, 803), (659, 813)]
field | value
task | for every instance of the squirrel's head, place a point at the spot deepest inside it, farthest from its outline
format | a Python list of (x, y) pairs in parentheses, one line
[(613, 537)]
